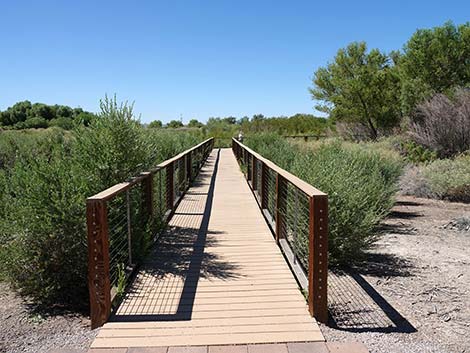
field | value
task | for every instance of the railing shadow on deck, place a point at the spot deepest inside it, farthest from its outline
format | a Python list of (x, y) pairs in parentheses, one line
[(178, 261)]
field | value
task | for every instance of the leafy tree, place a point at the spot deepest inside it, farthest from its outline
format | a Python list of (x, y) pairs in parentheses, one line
[(156, 124), (174, 124), (23, 115), (43, 111), (36, 122), (195, 123), (62, 122), (230, 120), (435, 60), (361, 88), (243, 120)]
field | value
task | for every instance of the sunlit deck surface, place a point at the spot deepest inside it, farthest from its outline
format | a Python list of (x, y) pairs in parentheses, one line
[(215, 276)]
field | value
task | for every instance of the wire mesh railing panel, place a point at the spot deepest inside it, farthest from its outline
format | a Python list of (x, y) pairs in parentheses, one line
[(270, 193), (159, 198), (259, 166), (295, 221), (249, 166), (118, 230), (139, 224)]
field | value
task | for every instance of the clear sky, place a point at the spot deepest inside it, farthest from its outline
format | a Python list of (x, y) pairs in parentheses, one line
[(193, 58)]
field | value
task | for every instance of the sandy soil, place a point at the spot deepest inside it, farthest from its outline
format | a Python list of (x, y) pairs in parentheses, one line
[(24, 330), (413, 294)]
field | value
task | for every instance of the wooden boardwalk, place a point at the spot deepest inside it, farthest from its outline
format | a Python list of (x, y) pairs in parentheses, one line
[(215, 277)]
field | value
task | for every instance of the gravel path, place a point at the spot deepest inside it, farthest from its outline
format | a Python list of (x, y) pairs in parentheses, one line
[(23, 331), (413, 294)]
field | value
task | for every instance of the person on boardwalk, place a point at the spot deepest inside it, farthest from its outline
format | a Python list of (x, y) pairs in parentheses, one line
[(240, 136)]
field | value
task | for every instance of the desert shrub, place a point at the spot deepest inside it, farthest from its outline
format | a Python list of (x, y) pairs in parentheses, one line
[(62, 122), (442, 124), (415, 153), (360, 184), (449, 178), (43, 193), (273, 147), (414, 183)]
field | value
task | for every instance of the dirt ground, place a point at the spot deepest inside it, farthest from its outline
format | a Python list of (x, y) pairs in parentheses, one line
[(413, 294), (23, 330)]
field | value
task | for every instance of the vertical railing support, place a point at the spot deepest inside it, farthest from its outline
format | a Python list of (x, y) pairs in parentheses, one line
[(281, 186), (170, 197), (318, 258), (99, 284)]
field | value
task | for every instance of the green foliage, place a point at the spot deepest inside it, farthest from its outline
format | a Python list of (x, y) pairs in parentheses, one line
[(24, 115), (415, 153), (360, 87), (195, 123), (449, 178), (434, 61), (360, 184), (298, 124), (156, 124), (45, 179), (174, 124)]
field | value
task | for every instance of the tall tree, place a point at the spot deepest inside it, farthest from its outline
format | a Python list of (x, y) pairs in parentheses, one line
[(156, 124), (434, 60), (174, 124), (195, 123), (359, 87)]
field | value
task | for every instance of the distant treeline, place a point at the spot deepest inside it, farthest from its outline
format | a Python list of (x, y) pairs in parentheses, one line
[(26, 115), (297, 124)]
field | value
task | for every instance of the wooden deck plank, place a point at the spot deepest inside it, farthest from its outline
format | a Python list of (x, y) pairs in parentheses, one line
[(215, 277), (205, 340)]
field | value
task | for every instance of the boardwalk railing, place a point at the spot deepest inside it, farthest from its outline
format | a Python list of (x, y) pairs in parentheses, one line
[(298, 215), (124, 219)]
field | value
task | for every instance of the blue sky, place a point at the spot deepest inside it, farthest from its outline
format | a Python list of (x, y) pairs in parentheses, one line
[(191, 58)]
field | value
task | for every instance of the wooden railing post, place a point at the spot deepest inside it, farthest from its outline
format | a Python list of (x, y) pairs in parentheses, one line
[(318, 258), (99, 284), (170, 194), (263, 194), (281, 186)]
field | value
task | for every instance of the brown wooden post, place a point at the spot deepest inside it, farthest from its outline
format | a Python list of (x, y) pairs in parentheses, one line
[(264, 194), (147, 195), (318, 258), (281, 186), (170, 187), (99, 284), (253, 173)]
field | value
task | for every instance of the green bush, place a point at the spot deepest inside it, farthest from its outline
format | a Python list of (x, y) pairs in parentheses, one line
[(415, 153), (43, 193), (360, 184), (449, 178)]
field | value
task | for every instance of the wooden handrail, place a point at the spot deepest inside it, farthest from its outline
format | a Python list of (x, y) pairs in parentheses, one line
[(296, 181), (315, 281)]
